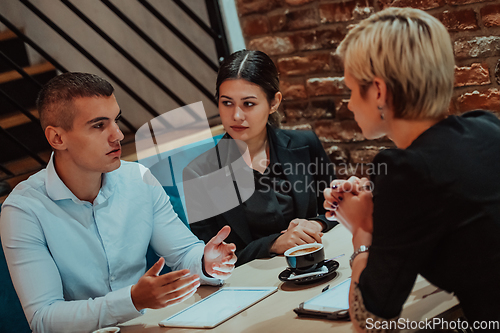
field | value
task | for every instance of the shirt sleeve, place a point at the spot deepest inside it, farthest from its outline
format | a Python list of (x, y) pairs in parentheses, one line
[(173, 240), (405, 231), (39, 286)]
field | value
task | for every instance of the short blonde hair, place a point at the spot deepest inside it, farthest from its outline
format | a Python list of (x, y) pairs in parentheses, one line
[(412, 52)]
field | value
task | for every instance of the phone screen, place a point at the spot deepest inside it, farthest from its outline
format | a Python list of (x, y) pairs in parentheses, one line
[(334, 299)]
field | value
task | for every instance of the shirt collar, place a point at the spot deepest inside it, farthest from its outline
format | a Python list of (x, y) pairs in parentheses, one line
[(57, 190)]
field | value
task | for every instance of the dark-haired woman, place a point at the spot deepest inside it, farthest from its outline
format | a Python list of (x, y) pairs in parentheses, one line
[(290, 169)]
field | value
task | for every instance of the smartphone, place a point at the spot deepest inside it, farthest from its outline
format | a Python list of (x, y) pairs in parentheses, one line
[(332, 300)]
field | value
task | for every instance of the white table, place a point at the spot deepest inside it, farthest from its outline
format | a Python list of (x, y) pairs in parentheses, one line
[(275, 313)]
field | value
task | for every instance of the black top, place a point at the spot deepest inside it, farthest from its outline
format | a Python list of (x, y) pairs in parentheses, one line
[(273, 196), (437, 213), (291, 187)]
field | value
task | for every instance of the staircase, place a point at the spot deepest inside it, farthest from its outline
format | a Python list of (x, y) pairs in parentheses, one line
[(31, 152), (21, 138)]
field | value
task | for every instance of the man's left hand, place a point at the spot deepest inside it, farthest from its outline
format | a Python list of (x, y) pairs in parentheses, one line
[(219, 256)]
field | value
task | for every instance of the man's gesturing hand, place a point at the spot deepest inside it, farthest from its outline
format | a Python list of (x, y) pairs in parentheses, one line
[(155, 292), (219, 257)]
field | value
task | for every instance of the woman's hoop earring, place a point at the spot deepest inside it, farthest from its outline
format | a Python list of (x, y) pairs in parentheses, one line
[(381, 109)]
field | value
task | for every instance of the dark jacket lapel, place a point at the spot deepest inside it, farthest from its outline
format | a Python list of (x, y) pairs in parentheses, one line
[(228, 153), (290, 158)]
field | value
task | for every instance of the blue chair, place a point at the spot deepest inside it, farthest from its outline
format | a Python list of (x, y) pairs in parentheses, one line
[(168, 168), (12, 317)]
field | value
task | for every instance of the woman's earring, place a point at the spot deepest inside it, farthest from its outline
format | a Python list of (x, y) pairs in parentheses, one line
[(381, 109)]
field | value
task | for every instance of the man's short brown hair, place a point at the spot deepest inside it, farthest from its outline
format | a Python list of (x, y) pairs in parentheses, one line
[(54, 102)]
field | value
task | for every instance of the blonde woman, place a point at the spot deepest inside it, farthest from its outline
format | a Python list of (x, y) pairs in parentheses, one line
[(435, 206)]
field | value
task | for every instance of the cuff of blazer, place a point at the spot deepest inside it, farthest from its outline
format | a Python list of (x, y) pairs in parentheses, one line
[(328, 224)]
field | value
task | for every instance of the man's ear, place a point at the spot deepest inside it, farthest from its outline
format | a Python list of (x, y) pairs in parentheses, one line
[(276, 102), (55, 137)]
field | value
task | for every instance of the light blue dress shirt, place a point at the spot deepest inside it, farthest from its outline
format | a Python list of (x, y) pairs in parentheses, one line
[(73, 263)]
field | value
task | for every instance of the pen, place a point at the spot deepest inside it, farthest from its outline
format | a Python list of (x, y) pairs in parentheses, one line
[(340, 255)]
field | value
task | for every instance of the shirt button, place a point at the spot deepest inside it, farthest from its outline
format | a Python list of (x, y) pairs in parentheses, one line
[(112, 278)]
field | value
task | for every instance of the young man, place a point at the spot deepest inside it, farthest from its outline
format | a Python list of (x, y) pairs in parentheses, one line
[(75, 234)]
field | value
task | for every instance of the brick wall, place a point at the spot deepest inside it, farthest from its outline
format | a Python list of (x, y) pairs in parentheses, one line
[(301, 36)]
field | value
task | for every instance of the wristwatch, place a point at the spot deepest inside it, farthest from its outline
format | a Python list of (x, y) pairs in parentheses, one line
[(362, 249)]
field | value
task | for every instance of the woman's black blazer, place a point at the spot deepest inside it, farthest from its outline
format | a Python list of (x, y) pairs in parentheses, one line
[(292, 148)]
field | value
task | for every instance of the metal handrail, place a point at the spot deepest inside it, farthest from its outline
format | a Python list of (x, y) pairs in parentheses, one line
[(19, 107), (31, 43), (20, 70), (179, 34), (157, 48), (214, 15), (196, 19), (91, 58), (216, 32), (124, 53)]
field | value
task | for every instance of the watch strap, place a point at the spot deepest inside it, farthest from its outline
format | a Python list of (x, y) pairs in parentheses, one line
[(362, 249)]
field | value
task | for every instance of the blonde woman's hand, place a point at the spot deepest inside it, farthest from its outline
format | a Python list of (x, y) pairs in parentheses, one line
[(350, 202)]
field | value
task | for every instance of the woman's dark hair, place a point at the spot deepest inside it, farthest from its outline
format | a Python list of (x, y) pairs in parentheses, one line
[(255, 67)]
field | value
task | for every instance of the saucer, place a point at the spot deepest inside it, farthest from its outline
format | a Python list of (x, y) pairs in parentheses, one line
[(331, 265)]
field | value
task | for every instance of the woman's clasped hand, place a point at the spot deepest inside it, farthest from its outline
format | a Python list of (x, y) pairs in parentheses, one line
[(350, 203)]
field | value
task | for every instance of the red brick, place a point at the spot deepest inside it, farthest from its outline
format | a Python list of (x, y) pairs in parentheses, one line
[(321, 109), (293, 89), (477, 47), (277, 22), (317, 39), (497, 72), (326, 86), (297, 127), (420, 4), (255, 25), (364, 154), (246, 7), (295, 20), (337, 154), (272, 45), (459, 20), (344, 11), (475, 75), (463, 2), (486, 99), (342, 111), (491, 15), (333, 131), (297, 2), (304, 65), (293, 111), (336, 63)]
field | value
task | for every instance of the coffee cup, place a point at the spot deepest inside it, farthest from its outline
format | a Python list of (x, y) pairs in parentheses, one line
[(108, 330), (305, 258)]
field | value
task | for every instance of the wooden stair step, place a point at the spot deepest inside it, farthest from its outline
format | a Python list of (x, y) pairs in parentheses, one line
[(16, 119), (6, 35), (31, 70)]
